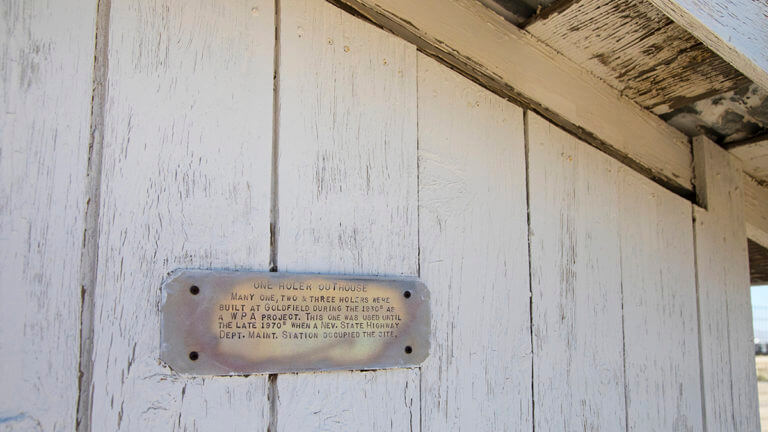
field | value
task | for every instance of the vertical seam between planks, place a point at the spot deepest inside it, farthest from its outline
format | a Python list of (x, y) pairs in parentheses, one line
[(530, 273), (418, 225), (699, 325), (730, 359), (623, 332), (272, 391), (273, 204), (89, 252), (272, 397)]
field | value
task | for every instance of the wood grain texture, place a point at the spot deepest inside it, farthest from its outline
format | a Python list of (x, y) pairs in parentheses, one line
[(754, 159), (755, 210), (474, 256), (614, 298), (347, 200), (484, 45), (725, 312), (737, 30), (186, 183), (639, 51), (386, 400), (663, 385), (576, 282), (46, 64)]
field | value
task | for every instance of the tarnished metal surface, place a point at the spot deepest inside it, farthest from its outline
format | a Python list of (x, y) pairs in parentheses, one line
[(229, 323)]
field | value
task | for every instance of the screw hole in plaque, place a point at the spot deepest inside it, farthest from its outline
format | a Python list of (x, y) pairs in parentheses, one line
[(194, 356), (408, 349), (407, 294), (194, 289)]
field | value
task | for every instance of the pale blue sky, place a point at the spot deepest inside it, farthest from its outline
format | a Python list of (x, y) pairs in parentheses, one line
[(760, 311)]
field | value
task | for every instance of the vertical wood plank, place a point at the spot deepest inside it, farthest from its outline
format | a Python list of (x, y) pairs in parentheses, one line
[(474, 255), (725, 312), (186, 183), (46, 65), (576, 283), (347, 193), (663, 386)]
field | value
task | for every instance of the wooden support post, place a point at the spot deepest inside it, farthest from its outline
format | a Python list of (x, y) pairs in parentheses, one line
[(725, 314)]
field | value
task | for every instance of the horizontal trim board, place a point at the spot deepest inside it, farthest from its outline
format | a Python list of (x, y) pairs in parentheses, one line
[(497, 55)]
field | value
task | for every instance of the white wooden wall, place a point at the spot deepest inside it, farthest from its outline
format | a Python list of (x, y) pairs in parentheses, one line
[(347, 190), (576, 283), (186, 183), (614, 295), (46, 68), (661, 349), (567, 290), (474, 256)]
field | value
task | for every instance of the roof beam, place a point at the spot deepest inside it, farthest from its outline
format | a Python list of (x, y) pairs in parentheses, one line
[(483, 46), (737, 30), (638, 50)]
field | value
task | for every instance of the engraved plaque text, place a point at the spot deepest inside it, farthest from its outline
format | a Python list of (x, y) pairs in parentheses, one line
[(232, 322)]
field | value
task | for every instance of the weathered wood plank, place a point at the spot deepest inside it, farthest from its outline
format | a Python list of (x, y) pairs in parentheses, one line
[(755, 210), (349, 401), (754, 158), (737, 30), (639, 51), (347, 200), (614, 299), (663, 383), (482, 44), (474, 255), (46, 65), (187, 164), (725, 313), (576, 282)]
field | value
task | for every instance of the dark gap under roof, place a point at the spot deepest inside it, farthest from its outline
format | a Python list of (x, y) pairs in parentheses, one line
[(758, 264)]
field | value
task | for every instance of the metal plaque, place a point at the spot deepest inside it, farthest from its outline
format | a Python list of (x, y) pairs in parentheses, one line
[(232, 322)]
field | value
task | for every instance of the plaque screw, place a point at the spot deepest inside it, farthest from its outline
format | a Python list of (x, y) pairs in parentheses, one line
[(194, 290), (407, 294), (194, 355), (408, 349)]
